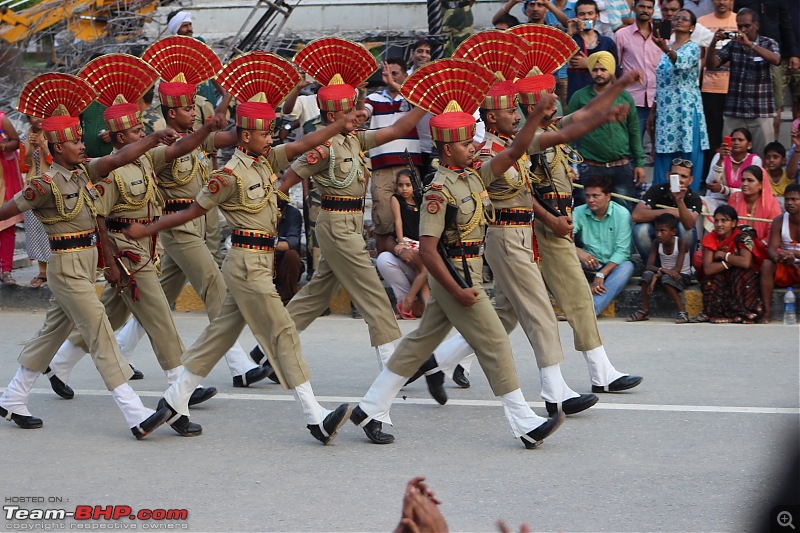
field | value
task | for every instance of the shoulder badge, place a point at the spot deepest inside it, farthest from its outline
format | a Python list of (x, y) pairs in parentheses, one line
[(213, 186), (46, 178), (312, 158), (436, 186), (100, 189), (433, 208), (38, 185), (107, 179), (434, 197), (477, 164), (221, 179), (227, 170), (321, 152), (30, 193)]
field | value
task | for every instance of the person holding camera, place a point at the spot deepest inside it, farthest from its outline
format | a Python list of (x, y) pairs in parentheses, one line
[(751, 102), (589, 42)]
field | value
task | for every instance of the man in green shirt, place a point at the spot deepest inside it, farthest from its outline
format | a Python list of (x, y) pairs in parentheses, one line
[(603, 242), (614, 149)]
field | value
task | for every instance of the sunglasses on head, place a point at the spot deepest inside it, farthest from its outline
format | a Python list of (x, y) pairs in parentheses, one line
[(678, 162)]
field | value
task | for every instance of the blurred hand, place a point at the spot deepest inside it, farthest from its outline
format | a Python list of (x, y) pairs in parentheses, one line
[(167, 136), (467, 297)]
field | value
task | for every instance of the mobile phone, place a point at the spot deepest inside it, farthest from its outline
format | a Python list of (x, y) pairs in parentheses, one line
[(731, 34), (727, 141), (675, 183), (666, 29), (796, 124)]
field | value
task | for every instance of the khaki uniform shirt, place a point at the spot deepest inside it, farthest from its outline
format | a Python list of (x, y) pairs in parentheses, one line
[(347, 153), (61, 186), (173, 177), (559, 169), (247, 182), (129, 192), (513, 188)]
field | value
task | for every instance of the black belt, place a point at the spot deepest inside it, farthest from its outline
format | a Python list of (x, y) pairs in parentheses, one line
[(72, 241), (173, 206), (347, 205), (469, 251), (253, 240), (509, 217), (118, 224)]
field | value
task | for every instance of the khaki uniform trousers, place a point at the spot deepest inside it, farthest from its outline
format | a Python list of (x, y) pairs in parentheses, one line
[(251, 298), (152, 311), (345, 262), (479, 325), (519, 291), (71, 276), (214, 235), (314, 208), (186, 255), (564, 277)]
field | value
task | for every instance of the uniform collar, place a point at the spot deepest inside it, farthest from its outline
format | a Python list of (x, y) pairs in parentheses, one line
[(505, 140), (55, 168), (451, 174)]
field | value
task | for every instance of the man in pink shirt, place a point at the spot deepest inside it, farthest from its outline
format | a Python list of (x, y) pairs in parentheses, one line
[(715, 81), (637, 51)]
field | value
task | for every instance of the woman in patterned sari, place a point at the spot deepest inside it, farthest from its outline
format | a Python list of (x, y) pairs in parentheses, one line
[(729, 279)]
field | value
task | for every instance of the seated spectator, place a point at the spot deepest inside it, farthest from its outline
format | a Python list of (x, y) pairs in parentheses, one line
[(288, 267), (793, 157), (775, 165), (756, 201), (672, 254), (725, 175), (782, 266), (405, 212), (398, 266), (603, 228), (729, 280), (685, 205)]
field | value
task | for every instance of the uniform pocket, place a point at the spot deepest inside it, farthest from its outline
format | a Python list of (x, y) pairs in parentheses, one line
[(136, 188)]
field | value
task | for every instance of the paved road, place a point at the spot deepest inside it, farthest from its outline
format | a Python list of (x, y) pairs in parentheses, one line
[(696, 448)]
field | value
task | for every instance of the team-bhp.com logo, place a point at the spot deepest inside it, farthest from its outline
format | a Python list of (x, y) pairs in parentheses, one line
[(161, 517)]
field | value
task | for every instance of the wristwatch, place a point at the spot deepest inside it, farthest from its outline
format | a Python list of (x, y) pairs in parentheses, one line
[(600, 275)]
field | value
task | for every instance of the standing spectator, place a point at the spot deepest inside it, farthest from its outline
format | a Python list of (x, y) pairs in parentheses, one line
[(607, 150), (638, 51), (10, 184), (685, 205), (755, 201), (715, 81), (589, 41), (750, 102), (620, 15), (775, 165), (288, 266), (776, 23), (604, 230), (700, 8), (782, 266), (729, 280), (680, 125), (420, 56), (35, 159), (386, 108), (668, 263)]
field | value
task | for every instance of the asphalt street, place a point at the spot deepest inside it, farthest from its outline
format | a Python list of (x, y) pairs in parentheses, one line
[(699, 446)]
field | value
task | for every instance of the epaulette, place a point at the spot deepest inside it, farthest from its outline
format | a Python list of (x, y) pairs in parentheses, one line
[(327, 144), (227, 170), (436, 186), (46, 178)]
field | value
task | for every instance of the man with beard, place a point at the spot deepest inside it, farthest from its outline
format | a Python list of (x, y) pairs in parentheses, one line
[(607, 150)]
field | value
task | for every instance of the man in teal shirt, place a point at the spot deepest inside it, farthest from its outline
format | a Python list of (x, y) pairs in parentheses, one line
[(614, 149), (603, 242)]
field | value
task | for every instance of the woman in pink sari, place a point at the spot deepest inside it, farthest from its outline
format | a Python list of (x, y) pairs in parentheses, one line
[(755, 201), (10, 184)]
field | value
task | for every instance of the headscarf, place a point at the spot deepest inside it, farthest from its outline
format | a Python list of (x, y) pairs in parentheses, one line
[(177, 21), (767, 207)]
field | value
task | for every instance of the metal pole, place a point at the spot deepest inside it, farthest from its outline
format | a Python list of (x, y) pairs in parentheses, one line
[(435, 16)]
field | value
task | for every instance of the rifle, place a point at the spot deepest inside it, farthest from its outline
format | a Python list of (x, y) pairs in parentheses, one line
[(449, 220), (562, 209)]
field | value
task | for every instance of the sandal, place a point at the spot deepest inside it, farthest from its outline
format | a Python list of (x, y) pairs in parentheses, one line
[(639, 316), (38, 281), (682, 318), (406, 315), (8, 279), (702, 317)]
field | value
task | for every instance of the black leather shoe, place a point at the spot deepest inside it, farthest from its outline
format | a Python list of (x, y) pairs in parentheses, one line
[(436, 387), (619, 384), (429, 364), (151, 423), (327, 431), (534, 438), (254, 375), (271, 373), (573, 405), (25, 422), (258, 356), (58, 386), (137, 374), (180, 423), (460, 377), (201, 394), (373, 428)]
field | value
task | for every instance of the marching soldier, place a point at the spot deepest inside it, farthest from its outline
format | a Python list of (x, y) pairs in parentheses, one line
[(244, 191), (63, 198), (458, 189)]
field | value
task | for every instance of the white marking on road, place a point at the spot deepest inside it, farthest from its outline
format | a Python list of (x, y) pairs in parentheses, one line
[(470, 403)]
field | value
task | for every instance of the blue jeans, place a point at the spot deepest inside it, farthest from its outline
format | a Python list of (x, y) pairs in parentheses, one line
[(621, 183), (644, 234), (643, 113), (615, 283)]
